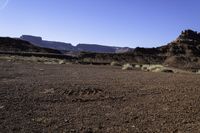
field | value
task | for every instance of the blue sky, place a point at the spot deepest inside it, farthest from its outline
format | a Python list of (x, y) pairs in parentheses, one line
[(132, 23)]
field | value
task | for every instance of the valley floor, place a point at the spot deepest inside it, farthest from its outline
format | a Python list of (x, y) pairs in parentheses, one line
[(86, 98)]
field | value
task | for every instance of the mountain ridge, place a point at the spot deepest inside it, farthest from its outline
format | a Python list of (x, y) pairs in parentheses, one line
[(8, 44), (38, 41), (183, 52)]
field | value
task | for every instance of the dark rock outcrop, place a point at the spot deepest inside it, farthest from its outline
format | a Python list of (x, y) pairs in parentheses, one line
[(184, 52), (189, 35), (187, 44)]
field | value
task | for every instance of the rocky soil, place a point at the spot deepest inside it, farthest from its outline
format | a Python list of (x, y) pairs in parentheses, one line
[(86, 98)]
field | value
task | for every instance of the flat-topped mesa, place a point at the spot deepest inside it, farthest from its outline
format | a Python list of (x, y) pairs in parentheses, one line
[(189, 36), (38, 41), (34, 39)]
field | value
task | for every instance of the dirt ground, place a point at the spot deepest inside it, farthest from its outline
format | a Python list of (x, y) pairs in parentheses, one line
[(100, 99)]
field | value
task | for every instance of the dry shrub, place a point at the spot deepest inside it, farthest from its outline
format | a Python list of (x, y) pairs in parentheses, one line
[(138, 66), (115, 63), (198, 72), (61, 62), (152, 68), (145, 67), (127, 67), (156, 68)]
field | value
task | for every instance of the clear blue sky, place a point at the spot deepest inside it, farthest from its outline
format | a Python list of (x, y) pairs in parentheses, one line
[(145, 23)]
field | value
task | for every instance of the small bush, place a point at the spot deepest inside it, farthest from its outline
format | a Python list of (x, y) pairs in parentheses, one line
[(198, 72), (61, 62), (159, 68), (137, 66), (114, 63), (127, 67), (152, 68), (145, 67), (155, 68)]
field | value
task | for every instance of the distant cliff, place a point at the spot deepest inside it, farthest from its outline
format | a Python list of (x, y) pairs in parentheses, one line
[(68, 47), (48, 44)]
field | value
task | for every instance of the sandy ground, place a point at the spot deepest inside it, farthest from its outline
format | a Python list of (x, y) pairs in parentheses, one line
[(103, 99)]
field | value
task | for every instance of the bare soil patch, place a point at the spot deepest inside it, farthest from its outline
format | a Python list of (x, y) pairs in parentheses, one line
[(86, 98)]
